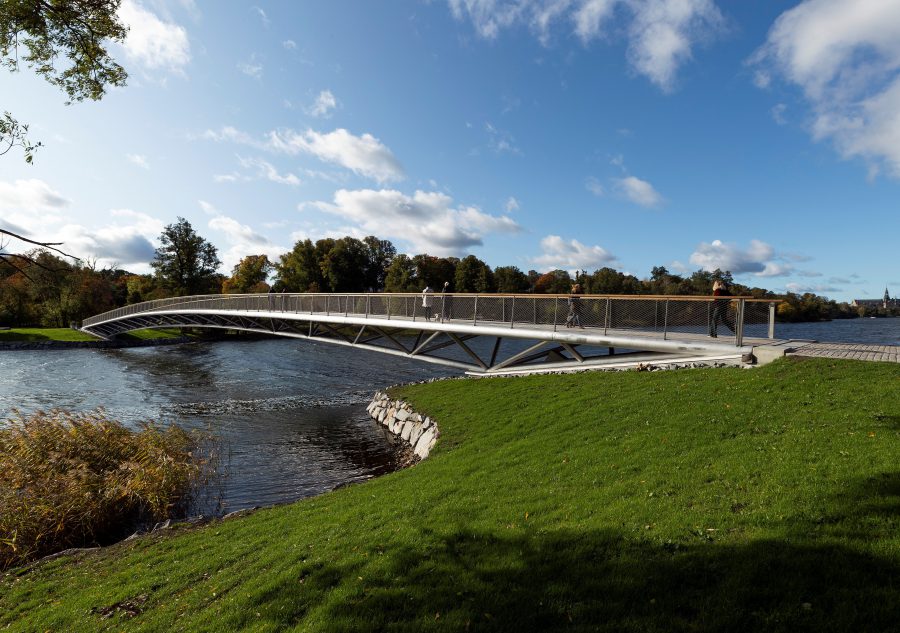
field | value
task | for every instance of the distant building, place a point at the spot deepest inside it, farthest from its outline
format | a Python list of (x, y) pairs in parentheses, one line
[(885, 302)]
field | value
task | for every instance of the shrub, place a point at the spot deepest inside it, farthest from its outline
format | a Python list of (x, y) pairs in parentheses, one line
[(71, 480)]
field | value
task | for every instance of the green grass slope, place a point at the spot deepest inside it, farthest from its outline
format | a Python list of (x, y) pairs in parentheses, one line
[(694, 500)]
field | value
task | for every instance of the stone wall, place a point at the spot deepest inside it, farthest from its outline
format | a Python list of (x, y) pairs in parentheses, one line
[(398, 417)]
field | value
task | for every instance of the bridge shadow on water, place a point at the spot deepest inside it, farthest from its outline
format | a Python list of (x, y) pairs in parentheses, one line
[(818, 577)]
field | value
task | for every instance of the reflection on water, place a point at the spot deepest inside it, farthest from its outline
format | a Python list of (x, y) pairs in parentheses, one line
[(290, 414)]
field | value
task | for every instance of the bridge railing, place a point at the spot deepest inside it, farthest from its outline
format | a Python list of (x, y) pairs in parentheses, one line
[(661, 316)]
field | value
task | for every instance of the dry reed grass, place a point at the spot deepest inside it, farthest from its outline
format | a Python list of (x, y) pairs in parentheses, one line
[(72, 480)]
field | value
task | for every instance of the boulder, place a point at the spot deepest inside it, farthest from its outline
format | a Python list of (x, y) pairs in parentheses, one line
[(407, 429), (423, 446)]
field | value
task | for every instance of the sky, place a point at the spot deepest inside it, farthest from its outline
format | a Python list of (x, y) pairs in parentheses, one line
[(757, 137)]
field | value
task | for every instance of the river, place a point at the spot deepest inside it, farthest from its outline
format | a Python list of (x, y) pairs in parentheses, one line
[(290, 414)]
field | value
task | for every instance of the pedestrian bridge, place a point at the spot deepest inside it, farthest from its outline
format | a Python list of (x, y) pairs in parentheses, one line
[(478, 333)]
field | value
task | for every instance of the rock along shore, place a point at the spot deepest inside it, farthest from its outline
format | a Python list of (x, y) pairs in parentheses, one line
[(420, 432)]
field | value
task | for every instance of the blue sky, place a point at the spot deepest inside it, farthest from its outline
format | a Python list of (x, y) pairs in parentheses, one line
[(758, 137)]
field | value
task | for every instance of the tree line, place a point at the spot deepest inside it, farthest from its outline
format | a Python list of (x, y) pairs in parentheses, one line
[(44, 289)]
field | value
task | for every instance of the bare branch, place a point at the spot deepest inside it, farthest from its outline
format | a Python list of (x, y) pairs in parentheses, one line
[(48, 245)]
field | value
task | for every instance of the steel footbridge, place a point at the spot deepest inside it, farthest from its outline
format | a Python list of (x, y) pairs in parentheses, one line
[(478, 333)]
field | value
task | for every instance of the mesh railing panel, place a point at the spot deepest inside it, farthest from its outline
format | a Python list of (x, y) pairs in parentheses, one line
[(651, 316)]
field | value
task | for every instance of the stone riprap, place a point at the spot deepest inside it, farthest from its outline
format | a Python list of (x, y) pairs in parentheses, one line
[(419, 431)]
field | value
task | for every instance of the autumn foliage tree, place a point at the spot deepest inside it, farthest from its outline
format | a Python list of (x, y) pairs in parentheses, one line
[(248, 276)]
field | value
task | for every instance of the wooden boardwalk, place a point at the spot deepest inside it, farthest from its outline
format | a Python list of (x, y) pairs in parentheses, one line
[(853, 351)]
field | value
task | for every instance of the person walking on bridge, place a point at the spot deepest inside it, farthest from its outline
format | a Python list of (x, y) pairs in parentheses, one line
[(427, 301), (446, 302), (573, 319), (720, 309)]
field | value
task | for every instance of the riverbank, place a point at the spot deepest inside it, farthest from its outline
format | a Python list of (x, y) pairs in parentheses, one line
[(704, 500), (67, 338)]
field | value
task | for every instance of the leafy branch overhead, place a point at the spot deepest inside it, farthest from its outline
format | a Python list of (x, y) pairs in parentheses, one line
[(65, 42)]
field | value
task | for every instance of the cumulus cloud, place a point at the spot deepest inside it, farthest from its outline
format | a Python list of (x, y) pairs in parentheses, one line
[(845, 56), (365, 155), (29, 196), (265, 170), (151, 42), (251, 68), (639, 191), (593, 185), (323, 105), (242, 241), (511, 205), (758, 258), (571, 255), (427, 220), (289, 45), (138, 159), (661, 34)]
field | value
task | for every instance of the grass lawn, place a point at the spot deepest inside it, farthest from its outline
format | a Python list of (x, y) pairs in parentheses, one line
[(692, 500), (144, 335), (37, 334), (68, 334)]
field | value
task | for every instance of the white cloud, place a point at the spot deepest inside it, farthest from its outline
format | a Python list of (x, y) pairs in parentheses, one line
[(571, 255), (31, 196), (511, 205), (229, 134), (323, 105), (845, 56), (208, 208), (639, 191), (501, 141), (593, 185), (266, 170), (777, 112), (262, 16), (590, 17), (138, 159), (427, 220), (661, 34), (243, 241), (121, 246), (151, 42), (759, 259), (251, 68), (365, 154), (817, 289), (289, 45)]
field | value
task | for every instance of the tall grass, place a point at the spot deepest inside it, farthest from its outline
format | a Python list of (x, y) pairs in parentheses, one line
[(71, 480)]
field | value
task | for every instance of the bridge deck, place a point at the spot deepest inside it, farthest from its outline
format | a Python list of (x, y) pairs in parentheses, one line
[(396, 324)]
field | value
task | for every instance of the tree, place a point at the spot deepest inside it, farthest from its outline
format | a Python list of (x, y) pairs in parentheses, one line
[(248, 276), (185, 263), (511, 279), (345, 264), (554, 282), (401, 275), (473, 275), (298, 270), (79, 30), (380, 254), (434, 271)]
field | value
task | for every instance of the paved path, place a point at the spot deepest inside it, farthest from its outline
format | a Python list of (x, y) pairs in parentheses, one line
[(855, 351)]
